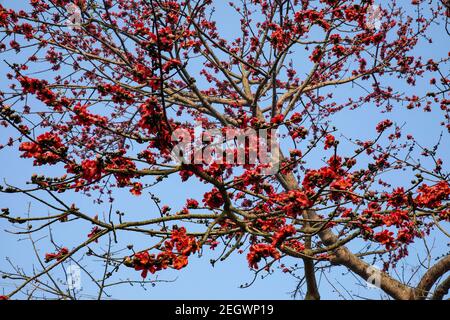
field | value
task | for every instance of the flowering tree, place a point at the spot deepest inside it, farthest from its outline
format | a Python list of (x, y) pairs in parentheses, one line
[(101, 92)]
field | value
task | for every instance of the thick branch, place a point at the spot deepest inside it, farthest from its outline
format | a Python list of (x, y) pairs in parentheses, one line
[(442, 290), (431, 276), (343, 256)]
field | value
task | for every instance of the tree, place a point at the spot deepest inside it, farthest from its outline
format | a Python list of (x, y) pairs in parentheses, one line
[(102, 92)]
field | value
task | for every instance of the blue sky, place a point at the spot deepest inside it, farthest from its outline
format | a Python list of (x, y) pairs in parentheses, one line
[(200, 280)]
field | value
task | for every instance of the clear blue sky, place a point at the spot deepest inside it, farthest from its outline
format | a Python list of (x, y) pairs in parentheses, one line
[(200, 280)]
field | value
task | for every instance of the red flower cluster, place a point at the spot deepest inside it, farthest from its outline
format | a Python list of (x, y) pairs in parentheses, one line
[(127, 168), (166, 38), (278, 119), (142, 73), (383, 125), (329, 141), (293, 202), (91, 170), (386, 238), (171, 64), (4, 15), (318, 178), (84, 118), (48, 149), (153, 120), (280, 38), (151, 116), (213, 199), (145, 262), (95, 230), (184, 245), (397, 198), (119, 95), (26, 29), (432, 197), (260, 251), (282, 234), (192, 204), (342, 184), (58, 256), (396, 217), (316, 55), (314, 17), (136, 189), (42, 92)]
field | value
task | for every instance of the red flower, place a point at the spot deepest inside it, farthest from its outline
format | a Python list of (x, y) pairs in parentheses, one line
[(171, 64), (145, 262), (213, 199), (91, 170), (136, 189), (192, 204), (277, 119), (126, 168), (318, 178), (342, 184), (397, 198), (329, 141), (405, 236), (180, 262), (118, 94), (296, 118), (445, 215), (47, 149), (141, 262), (85, 118), (184, 244), (282, 234), (260, 251), (383, 125), (58, 256), (431, 197), (396, 217), (93, 232), (385, 237), (293, 202), (296, 245), (316, 55), (280, 38)]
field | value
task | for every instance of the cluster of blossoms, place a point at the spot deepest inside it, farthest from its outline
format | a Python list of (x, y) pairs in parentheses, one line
[(56, 256), (84, 118), (294, 202), (43, 93), (92, 170), (118, 94), (432, 196), (48, 149), (260, 251), (398, 215), (280, 238), (213, 199), (174, 254)]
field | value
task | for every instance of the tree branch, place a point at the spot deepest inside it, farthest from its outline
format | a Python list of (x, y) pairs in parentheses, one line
[(431, 276)]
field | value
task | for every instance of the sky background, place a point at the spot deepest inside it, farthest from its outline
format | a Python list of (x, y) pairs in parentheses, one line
[(200, 280)]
